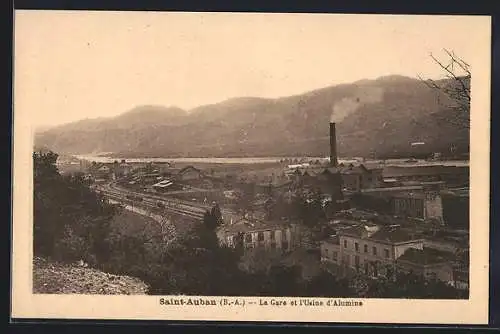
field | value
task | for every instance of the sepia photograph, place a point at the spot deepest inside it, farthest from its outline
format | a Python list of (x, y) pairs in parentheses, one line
[(260, 163)]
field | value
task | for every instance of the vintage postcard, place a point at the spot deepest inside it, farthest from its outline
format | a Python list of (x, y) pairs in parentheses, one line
[(251, 167)]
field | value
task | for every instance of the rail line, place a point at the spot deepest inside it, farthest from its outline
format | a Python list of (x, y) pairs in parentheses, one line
[(197, 214), (167, 201)]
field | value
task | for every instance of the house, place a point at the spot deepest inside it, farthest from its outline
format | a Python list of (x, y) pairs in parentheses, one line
[(250, 234), (427, 262), (101, 171), (162, 167), (189, 173), (368, 249)]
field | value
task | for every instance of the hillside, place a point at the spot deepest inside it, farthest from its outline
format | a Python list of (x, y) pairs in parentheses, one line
[(55, 278), (381, 117)]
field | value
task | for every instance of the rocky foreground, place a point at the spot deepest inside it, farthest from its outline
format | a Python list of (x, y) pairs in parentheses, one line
[(55, 278)]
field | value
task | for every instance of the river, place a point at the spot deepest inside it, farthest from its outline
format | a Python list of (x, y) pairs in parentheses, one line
[(257, 160)]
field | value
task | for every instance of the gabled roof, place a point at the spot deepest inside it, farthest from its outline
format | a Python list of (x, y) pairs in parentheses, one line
[(315, 171), (99, 166), (384, 234), (187, 169), (425, 256), (251, 225)]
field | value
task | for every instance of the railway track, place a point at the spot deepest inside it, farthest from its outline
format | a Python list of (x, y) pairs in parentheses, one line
[(153, 206), (163, 203), (171, 202)]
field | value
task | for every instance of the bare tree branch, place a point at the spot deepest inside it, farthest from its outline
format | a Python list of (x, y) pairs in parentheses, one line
[(456, 87)]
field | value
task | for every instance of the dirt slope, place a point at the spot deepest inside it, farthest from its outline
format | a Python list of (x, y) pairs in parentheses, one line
[(55, 278)]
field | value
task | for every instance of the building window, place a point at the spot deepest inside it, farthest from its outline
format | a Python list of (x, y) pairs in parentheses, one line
[(248, 238), (283, 235), (386, 253), (345, 243), (367, 270), (375, 269), (273, 236), (374, 250), (366, 248), (260, 236), (345, 260), (356, 262), (334, 256), (356, 246)]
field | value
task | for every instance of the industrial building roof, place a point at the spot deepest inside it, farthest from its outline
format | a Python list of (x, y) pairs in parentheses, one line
[(163, 184), (398, 171)]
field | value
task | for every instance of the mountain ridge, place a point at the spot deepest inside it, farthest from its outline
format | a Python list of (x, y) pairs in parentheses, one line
[(382, 115)]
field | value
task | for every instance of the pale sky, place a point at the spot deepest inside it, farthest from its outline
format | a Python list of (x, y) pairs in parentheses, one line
[(76, 65)]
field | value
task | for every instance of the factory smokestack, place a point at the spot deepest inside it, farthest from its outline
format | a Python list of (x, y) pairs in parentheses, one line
[(333, 145)]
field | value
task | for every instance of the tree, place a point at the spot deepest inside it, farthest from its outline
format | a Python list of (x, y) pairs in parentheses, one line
[(196, 265), (456, 89), (313, 212), (71, 222), (213, 217), (405, 285), (216, 214), (327, 285)]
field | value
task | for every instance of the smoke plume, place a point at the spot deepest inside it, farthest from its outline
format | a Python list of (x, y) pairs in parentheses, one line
[(348, 105)]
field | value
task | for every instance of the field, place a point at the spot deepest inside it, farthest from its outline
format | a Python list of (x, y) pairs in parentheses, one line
[(134, 224)]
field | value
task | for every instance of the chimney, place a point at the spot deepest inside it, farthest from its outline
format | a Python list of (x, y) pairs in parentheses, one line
[(333, 145)]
